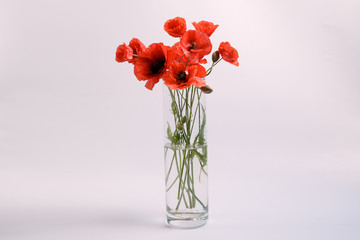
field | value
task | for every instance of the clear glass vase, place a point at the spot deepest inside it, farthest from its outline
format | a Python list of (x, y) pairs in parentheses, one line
[(185, 151)]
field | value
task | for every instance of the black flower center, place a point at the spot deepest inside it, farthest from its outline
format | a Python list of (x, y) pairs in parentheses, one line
[(157, 66), (192, 46), (181, 76)]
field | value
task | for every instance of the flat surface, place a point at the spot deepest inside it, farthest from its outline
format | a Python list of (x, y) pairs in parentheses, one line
[(258, 198), (81, 139)]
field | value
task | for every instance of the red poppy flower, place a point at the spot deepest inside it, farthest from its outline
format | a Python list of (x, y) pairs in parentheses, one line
[(176, 54), (123, 53), (175, 27), (151, 64), (138, 47), (195, 45), (206, 27), (228, 53), (180, 77)]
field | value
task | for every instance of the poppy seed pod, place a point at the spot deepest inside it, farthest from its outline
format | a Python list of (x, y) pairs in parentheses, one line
[(215, 56), (179, 126), (184, 119), (206, 89)]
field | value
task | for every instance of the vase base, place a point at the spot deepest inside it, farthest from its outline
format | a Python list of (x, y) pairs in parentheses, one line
[(186, 220)]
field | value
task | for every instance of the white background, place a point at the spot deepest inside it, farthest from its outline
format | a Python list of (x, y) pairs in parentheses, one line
[(81, 139)]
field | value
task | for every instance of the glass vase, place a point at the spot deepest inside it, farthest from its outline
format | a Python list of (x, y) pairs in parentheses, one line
[(185, 153)]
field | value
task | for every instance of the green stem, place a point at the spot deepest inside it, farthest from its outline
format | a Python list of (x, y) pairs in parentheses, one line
[(168, 173), (184, 104), (173, 183), (181, 174), (212, 65), (197, 199), (191, 201), (182, 187), (192, 181)]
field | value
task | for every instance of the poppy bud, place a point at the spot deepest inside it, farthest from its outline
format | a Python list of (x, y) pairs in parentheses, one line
[(215, 56), (184, 119), (179, 126), (206, 89)]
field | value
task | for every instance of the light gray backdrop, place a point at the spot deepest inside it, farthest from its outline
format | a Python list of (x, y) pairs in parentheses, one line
[(81, 139)]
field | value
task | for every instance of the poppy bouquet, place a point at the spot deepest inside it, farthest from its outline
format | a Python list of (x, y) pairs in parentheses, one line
[(181, 67)]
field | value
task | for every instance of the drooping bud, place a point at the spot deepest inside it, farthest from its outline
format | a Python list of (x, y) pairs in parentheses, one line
[(206, 89), (184, 119), (215, 56), (179, 126)]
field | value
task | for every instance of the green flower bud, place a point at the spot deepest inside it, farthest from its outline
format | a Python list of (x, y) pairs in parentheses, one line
[(184, 119), (215, 56), (179, 126), (206, 89)]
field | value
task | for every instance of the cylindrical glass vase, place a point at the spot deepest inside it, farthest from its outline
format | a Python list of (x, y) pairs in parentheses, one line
[(185, 152)]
